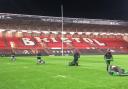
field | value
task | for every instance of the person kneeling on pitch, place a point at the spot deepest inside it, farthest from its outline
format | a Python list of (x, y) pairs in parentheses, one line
[(116, 70), (13, 58), (73, 63), (39, 60), (75, 60)]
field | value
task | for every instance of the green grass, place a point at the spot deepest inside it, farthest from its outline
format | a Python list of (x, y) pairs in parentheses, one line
[(56, 74)]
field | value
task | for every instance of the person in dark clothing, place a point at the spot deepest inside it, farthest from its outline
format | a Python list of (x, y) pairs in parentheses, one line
[(76, 57), (108, 58), (39, 60), (75, 60), (13, 58)]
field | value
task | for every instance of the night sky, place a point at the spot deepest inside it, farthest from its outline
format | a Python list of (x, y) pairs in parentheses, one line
[(93, 9)]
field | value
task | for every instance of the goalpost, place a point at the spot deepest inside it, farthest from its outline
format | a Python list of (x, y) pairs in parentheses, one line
[(62, 27)]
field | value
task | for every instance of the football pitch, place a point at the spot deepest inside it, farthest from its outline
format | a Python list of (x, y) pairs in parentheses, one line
[(56, 74)]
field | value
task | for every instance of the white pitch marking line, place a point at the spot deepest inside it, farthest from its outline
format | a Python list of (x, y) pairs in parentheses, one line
[(59, 76)]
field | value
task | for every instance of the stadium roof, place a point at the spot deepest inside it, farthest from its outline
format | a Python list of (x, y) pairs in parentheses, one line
[(66, 19)]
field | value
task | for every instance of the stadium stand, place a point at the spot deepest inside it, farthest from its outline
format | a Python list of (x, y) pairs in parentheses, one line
[(54, 43), (25, 34)]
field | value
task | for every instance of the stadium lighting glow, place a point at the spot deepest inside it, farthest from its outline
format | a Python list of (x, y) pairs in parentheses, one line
[(103, 34), (36, 31), (95, 33), (45, 32), (87, 33), (63, 32), (29, 32), (93, 48), (9, 31), (24, 31), (114, 23), (122, 34), (54, 32), (121, 47), (118, 33), (13, 30), (79, 32), (111, 33), (87, 47), (107, 33), (115, 34), (71, 33), (1, 30), (19, 32)]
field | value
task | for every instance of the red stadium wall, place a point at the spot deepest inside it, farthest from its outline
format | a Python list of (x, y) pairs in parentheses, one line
[(51, 43)]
